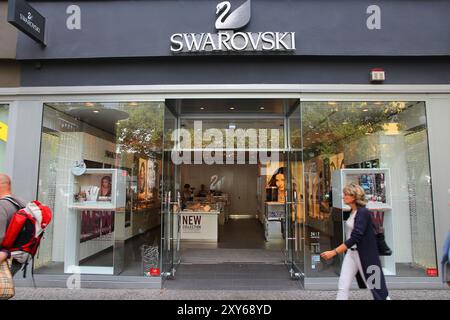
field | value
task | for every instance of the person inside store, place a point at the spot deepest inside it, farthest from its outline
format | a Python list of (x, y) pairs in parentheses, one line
[(105, 188), (361, 252), (202, 192), (186, 195)]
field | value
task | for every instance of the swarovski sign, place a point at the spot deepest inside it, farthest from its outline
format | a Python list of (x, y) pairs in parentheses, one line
[(27, 19), (226, 40)]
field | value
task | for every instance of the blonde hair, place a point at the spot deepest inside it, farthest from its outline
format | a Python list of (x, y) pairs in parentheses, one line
[(358, 192)]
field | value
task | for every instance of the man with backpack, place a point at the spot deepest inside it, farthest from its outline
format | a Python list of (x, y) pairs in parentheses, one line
[(7, 210)]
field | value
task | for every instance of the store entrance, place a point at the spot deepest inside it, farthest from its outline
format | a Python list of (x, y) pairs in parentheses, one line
[(231, 177)]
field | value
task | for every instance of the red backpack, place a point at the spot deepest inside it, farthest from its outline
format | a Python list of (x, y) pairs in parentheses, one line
[(25, 230)]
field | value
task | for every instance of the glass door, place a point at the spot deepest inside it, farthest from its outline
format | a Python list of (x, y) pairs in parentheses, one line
[(294, 220), (170, 201)]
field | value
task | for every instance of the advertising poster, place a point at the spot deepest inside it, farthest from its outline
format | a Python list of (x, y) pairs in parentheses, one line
[(151, 179), (94, 188), (142, 179), (96, 225)]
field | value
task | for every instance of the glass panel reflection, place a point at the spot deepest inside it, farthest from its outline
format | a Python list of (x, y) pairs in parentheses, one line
[(365, 137)]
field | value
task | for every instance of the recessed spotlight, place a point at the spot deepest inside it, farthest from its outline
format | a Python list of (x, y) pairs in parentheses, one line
[(202, 108), (231, 108), (261, 108)]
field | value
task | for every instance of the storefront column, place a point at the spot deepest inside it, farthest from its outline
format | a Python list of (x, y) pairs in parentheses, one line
[(438, 114), (23, 147)]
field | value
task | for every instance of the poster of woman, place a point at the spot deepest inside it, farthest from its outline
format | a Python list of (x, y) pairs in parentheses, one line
[(142, 179)]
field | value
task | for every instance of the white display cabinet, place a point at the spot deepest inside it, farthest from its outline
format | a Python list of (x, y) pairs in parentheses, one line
[(377, 184), (84, 197)]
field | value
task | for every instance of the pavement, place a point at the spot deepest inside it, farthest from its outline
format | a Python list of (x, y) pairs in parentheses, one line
[(168, 294)]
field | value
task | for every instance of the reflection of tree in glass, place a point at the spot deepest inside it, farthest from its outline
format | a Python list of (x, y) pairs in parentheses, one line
[(327, 126), (142, 132)]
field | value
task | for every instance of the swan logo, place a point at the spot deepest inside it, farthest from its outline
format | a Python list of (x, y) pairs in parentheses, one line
[(227, 40), (236, 20)]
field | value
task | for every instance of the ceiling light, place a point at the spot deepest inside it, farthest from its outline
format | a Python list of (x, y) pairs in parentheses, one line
[(261, 108), (231, 108), (365, 110), (202, 108), (95, 111)]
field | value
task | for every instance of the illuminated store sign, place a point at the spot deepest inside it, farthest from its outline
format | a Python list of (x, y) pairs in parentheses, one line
[(228, 41)]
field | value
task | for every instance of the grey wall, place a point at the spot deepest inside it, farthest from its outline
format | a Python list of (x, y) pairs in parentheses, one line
[(234, 70), (323, 27), (8, 34), (9, 73), (23, 147)]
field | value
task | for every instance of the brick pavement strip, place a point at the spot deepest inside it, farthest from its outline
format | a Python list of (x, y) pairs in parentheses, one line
[(164, 294)]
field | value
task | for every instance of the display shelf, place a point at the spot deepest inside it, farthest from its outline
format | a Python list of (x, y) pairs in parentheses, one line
[(273, 216), (91, 206), (376, 183), (80, 186), (93, 203)]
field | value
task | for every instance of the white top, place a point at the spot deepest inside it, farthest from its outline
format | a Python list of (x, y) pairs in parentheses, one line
[(349, 225)]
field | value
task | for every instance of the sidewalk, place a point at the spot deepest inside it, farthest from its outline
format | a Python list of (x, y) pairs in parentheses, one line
[(165, 294)]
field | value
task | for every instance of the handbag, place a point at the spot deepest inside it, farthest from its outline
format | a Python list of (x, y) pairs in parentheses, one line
[(6, 282), (383, 248)]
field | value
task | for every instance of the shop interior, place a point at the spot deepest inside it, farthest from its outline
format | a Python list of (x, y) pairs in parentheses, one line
[(281, 212)]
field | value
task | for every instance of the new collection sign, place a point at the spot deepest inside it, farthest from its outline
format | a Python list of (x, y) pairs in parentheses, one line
[(226, 40), (27, 19), (192, 224)]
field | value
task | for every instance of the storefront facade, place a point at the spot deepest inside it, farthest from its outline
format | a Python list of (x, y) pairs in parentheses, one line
[(106, 95)]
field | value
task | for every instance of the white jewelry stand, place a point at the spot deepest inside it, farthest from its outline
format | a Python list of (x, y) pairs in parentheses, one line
[(73, 224)]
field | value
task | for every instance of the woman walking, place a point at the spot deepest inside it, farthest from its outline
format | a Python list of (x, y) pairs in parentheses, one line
[(361, 249)]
